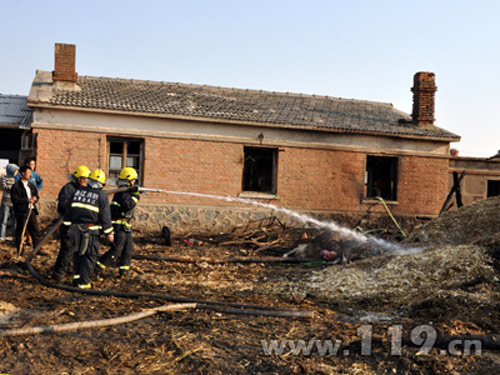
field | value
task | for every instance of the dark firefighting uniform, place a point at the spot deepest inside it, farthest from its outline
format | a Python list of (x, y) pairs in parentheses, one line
[(66, 250), (122, 212), (89, 213)]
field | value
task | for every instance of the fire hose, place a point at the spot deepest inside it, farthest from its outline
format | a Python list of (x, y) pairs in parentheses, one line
[(219, 306), (487, 341)]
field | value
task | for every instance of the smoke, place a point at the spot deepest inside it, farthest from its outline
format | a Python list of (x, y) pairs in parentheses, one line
[(386, 246)]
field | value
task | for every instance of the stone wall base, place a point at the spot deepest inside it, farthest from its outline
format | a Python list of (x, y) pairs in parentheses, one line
[(189, 220)]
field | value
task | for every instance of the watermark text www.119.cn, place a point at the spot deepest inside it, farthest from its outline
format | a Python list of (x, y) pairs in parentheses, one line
[(422, 336)]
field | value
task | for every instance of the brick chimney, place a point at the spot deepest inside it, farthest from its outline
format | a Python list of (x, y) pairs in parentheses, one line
[(424, 87), (64, 67)]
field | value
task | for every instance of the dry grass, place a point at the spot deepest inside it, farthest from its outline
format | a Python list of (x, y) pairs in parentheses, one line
[(454, 287), (403, 280)]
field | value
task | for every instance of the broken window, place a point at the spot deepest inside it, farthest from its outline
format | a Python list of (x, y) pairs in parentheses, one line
[(381, 177), (493, 188), (260, 169), (124, 153)]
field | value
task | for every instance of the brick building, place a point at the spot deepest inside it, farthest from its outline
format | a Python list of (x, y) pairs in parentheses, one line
[(481, 179), (315, 154)]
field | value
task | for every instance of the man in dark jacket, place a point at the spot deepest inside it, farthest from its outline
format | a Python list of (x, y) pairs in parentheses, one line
[(24, 195), (78, 178), (89, 213), (122, 212)]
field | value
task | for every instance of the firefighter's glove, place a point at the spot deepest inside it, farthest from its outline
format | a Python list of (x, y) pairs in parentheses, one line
[(134, 190)]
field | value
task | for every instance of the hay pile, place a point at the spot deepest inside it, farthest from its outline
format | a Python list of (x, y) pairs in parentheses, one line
[(476, 223), (404, 279), (453, 266)]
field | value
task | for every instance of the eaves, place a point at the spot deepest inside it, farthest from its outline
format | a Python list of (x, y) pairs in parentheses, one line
[(44, 105)]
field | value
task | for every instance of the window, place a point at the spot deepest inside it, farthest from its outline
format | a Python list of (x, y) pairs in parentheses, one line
[(124, 153), (493, 188), (381, 177), (260, 169)]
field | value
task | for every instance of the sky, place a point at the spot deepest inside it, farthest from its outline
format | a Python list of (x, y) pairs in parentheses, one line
[(355, 49)]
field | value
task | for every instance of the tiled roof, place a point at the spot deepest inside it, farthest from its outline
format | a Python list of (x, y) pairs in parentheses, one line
[(14, 111), (239, 105)]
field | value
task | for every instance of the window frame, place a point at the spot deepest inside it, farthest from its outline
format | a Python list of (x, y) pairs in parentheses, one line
[(370, 177), (125, 142), (274, 152)]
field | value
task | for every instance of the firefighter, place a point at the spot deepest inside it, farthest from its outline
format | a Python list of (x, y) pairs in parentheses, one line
[(89, 213), (78, 178), (122, 212)]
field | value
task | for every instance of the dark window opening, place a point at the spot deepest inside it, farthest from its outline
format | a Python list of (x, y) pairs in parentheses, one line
[(493, 188), (124, 153), (381, 177), (11, 145), (260, 169)]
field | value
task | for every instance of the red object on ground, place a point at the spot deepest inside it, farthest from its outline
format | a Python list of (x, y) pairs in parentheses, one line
[(328, 255)]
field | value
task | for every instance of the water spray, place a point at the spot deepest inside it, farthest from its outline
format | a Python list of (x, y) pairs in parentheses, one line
[(334, 227)]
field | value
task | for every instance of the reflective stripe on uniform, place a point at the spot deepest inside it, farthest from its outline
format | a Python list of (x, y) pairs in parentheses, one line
[(85, 286), (135, 199), (94, 227), (86, 206), (108, 231), (124, 267), (122, 222), (66, 222), (76, 277), (114, 203), (100, 265)]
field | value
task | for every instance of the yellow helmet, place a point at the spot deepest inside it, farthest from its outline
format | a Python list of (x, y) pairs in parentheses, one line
[(82, 171), (128, 173), (99, 176)]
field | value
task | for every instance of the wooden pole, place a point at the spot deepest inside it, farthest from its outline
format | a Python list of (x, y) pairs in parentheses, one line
[(20, 250), (458, 194), (450, 194), (95, 323)]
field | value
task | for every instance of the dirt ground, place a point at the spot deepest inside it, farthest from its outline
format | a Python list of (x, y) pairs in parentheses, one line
[(203, 341)]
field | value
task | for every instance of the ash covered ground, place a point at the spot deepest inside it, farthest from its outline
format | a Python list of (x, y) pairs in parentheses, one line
[(451, 286)]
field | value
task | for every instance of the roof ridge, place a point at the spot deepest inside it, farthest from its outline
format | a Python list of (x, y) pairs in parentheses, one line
[(13, 96), (243, 106), (243, 90)]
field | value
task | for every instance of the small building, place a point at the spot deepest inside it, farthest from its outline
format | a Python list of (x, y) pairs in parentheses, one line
[(16, 140), (481, 179), (319, 155)]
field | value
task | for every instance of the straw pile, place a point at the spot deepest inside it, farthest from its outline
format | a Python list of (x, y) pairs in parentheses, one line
[(403, 279), (476, 223), (452, 260)]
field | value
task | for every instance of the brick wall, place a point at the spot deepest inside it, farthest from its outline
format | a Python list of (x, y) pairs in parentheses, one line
[(64, 64), (60, 152), (422, 185), (308, 179), (193, 166), (321, 180), (424, 88)]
